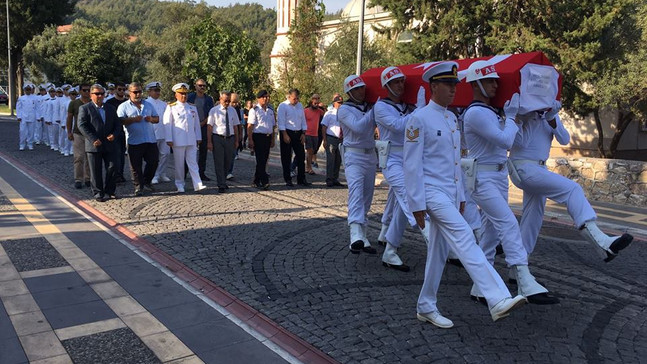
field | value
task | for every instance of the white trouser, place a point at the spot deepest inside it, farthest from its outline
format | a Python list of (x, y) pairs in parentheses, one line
[(62, 140), (26, 134), (449, 229), (537, 184), (38, 131), (53, 135), (164, 151), (499, 223), (402, 215), (388, 207), (186, 154), (360, 175)]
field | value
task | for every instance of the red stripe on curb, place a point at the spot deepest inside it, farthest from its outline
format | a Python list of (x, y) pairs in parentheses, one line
[(286, 340)]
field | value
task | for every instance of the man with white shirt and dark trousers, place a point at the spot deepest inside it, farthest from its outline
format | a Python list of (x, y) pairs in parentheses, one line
[(222, 126), (332, 137), (292, 127), (260, 129)]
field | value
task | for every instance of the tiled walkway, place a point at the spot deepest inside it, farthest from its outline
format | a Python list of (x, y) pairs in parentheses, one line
[(72, 292)]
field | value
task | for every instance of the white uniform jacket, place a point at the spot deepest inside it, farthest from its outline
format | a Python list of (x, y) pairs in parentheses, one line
[(391, 120), (182, 124), (357, 124), (27, 108), (51, 115), (488, 139), (160, 107), (535, 137), (432, 156)]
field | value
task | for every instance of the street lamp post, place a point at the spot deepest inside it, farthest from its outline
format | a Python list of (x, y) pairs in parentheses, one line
[(360, 39), (10, 92)]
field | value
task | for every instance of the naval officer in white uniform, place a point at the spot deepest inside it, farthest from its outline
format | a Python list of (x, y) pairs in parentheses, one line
[(358, 127), (488, 139), (528, 155), (391, 116), (432, 176)]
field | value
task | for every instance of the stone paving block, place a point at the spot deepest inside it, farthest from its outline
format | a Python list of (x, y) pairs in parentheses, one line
[(82, 313), (61, 359), (41, 346), (15, 287), (19, 304), (124, 306), (187, 314), (207, 336), (244, 352), (33, 254), (52, 282), (65, 296), (30, 323), (143, 324), (11, 351), (116, 346), (166, 346), (168, 294)]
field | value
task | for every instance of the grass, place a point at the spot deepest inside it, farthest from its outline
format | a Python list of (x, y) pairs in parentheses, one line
[(4, 109)]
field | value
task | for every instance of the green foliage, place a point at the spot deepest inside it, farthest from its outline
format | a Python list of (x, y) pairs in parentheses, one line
[(96, 55), (43, 55), (225, 58)]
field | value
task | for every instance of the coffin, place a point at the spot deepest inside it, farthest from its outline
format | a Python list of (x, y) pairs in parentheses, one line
[(530, 74)]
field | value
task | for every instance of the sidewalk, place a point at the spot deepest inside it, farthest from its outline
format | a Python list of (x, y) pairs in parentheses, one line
[(72, 291)]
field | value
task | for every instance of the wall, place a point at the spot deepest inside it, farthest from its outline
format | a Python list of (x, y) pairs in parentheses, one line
[(608, 180)]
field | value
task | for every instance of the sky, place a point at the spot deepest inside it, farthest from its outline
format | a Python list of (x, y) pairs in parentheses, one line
[(332, 6)]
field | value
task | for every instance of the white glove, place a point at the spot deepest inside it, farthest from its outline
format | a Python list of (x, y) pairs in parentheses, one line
[(511, 107), (550, 114), (421, 101)]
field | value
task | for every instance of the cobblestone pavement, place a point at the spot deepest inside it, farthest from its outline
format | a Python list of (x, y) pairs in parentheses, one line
[(285, 253)]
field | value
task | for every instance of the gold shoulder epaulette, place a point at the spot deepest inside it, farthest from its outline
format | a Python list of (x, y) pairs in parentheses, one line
[(172, 103)]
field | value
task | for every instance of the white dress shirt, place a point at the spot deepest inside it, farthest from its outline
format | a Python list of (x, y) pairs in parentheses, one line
[(332, 124), (160, 107), (291, 117), (263, 120), (218, 121)]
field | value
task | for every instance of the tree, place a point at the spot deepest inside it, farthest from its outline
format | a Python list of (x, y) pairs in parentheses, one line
[(43, 55), (28, 18), (95, 55), (585, 40), (225, 58), (304, 35)]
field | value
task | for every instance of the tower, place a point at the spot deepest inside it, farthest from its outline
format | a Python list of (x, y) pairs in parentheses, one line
[(285, 10)]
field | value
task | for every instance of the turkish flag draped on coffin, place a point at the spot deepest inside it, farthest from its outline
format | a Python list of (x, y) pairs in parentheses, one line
[(530, 74)]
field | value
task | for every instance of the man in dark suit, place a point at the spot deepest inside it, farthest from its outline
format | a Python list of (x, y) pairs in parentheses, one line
[(99, 124)]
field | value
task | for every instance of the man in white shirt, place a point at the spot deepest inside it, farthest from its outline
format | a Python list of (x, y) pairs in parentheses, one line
[(222, 126), (292, 128), (332, 137), (260, 129), (154, 89), (26, 112)]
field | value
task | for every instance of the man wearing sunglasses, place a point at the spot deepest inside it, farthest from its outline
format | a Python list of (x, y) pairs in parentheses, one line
[(119, 97), (98, 122), (203, 103), (138, 116)]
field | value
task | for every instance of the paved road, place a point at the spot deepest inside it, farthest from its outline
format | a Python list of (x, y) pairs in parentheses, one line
[(284, 252)]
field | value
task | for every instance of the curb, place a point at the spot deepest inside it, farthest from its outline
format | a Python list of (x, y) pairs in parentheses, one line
[(286, 340)]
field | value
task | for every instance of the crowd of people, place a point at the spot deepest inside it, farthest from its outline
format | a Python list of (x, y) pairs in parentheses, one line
[(447, 169)]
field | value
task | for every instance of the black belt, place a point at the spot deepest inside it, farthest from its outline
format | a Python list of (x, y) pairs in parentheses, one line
[(223, 136), (265, 134)]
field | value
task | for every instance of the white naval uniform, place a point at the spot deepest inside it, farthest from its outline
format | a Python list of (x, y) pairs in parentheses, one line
[(391, 120), (64, 144), (160, 136), (182, 128), (52, 117), (433, 180), (27, 112), (358, 127), (488, 140), (531, 146), (40, 133)]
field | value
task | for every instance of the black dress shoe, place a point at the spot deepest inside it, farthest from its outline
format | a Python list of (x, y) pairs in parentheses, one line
[(357, 246), (542, 299), (222, 190), (139, 192), (369, 250), (149, 187), (617, 245), (266, 186), (289, 184), (113, 197), (87, 184), (339, 184), (382, 243), (478, 299), (205, 178), (499, 250), (401, 267), (304, 184), (100, 199), (78, 185)]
